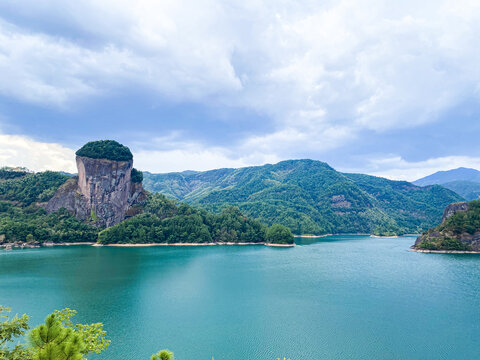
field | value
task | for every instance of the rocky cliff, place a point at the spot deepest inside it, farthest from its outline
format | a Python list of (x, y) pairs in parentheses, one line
[(102, 193), (459, 230), (454, 208)]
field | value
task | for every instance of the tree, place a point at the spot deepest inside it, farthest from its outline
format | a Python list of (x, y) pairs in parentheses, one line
[(163, 355), (56, 339), (53, 341), (10, 329), (279, 234), (92, 335)]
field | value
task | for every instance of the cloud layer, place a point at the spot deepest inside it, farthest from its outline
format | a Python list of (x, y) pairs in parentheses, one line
[(323, 73)]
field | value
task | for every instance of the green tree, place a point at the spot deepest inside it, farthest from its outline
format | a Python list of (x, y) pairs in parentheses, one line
[(53, 341), (279, 234), (163, 355), (93, 335), (9, 330)]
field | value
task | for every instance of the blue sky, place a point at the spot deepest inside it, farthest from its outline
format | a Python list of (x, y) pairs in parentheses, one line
[(367, 86)]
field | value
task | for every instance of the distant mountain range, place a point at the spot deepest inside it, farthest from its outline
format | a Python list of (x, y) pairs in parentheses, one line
[(311, 197), (464, 181)]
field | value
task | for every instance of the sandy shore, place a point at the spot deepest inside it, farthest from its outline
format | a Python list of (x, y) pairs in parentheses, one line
[(445, 251), (193, 244), (312, 236)]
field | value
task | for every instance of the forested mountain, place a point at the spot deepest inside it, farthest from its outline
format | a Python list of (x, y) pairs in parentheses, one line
[(463, 181), (23, 219), (310, 197), (468, 189)]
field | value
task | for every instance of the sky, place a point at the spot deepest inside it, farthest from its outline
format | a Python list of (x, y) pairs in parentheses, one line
[(379, 87)]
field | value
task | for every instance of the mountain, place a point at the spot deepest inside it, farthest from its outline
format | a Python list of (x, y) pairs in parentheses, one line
[(459, 230), (105, 191), (106, 203), (443, 177), (310, 197), (467, 189), (464, 181)]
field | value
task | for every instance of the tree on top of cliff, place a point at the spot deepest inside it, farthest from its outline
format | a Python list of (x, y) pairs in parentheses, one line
[(105, 149)]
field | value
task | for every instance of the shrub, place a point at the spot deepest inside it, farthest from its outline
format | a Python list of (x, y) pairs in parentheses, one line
[(105, 149), (137, 176), (279, 234)]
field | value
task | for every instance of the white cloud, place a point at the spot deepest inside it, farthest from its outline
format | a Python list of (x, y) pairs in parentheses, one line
[(396, 168), (22, 151), (171, 153), (323, 71)]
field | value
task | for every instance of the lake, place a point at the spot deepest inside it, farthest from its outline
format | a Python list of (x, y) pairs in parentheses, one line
[(341, 297)]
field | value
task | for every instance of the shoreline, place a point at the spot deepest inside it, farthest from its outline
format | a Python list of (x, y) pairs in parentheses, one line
[(192, 244), (444, 251)]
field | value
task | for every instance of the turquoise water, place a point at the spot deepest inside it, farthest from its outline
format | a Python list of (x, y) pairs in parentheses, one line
[(343, 297)]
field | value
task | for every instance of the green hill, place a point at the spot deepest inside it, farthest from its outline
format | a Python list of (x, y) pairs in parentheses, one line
[(310, 197), (467, 189), (459, 230)]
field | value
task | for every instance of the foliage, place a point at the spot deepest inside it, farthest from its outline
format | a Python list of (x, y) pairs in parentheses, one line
[(93, 335), (310, 197), (449, 234), (54, 341), (105, 149), (9, 330), (32, 188), (279, 234), (33, 224), (7, 173), (164, 221), (468, 189), (137, 176), (163, 355)]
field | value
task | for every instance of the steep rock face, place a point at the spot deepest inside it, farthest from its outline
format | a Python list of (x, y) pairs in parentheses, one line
[(452, 209), (103, 192)]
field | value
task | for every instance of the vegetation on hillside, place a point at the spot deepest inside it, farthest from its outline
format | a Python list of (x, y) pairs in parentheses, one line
[(24, 222), (7, 173), (31, 188), (454, 232), (310, 197), (163, 221), (468, 189), (105, 149)]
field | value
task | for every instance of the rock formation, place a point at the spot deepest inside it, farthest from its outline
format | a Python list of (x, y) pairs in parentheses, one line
[(461, 234), (452, 209), (102, 193)]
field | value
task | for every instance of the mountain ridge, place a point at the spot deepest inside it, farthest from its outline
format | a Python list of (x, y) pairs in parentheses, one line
[(309, 196)]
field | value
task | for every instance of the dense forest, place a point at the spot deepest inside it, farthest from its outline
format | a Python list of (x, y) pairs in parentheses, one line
[(105, 149), (24, 220), (458, 232), (310, 197), (163, 221)]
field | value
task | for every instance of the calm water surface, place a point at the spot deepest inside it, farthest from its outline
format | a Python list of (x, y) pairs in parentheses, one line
[(342, 297)]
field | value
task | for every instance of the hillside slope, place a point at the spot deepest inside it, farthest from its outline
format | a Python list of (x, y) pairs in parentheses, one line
[(310, 197), (459, 230), (467, 189)]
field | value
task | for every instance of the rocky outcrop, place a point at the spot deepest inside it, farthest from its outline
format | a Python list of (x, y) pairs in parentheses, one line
[(452, 209), (463, 236), (102, 193)]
